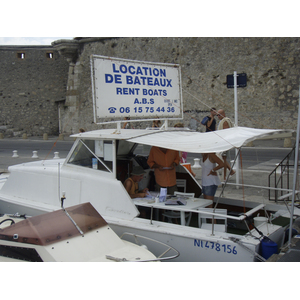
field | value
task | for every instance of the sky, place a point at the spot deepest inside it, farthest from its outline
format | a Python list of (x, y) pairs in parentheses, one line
[(27, 24), (30, 40)]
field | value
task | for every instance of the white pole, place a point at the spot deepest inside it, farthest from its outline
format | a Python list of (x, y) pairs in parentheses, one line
[(236, 124), (59, 118), (295, 172), (235, 98)]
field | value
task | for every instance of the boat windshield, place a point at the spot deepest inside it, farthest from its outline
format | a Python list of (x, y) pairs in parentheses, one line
[(53, 227), (93, 154), (125, 148)]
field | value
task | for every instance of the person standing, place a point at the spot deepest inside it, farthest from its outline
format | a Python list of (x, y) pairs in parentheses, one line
[(225, 123), (210, 179), (211, 123), (156, 123), (164, 162), (127, 125), (183, 155)]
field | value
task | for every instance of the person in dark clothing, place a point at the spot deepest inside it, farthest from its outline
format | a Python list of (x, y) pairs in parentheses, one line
[(211, 124)]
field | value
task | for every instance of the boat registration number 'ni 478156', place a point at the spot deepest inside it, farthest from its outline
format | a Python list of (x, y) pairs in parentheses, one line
[(216, 246)]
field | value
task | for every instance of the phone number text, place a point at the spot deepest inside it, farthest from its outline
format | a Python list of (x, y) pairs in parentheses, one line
[(140, 110)]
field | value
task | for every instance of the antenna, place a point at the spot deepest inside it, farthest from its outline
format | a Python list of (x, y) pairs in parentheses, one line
[(58, 177), (63, 198)]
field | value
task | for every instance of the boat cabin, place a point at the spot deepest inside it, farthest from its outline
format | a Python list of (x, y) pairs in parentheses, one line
[(116, 154)]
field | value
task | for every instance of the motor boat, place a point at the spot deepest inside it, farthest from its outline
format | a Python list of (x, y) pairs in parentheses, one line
[(101, 160), (75, 234)]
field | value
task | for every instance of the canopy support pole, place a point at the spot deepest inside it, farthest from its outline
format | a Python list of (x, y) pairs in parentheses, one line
[(223, 188), (118, 128), (165, 125), (224, 185)]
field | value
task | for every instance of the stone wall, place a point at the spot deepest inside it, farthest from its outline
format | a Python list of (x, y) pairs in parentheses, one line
[(32, 84), (31, 88), (270, 99)]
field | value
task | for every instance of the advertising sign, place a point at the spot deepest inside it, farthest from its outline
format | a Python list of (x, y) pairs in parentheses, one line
[(128, 88)]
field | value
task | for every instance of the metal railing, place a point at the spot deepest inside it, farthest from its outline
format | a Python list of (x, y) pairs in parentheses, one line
[(148, 244), (279, 180)]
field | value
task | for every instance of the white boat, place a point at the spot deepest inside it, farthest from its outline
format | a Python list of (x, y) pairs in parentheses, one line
[(99, 162), (75, 234)]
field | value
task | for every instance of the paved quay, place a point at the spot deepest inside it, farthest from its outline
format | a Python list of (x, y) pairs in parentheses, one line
[(45, 149)]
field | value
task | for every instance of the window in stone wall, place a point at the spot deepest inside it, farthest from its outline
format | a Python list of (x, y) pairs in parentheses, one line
[(49, 55), (21, 55)]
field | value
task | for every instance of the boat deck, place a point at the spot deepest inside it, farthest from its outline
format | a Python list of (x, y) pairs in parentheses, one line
[(292, 253)]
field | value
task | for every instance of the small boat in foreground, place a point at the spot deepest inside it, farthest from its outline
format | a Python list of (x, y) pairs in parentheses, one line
[(77, 234)]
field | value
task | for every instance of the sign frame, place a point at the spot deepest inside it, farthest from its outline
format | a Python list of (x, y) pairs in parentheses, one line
[(139, 90)]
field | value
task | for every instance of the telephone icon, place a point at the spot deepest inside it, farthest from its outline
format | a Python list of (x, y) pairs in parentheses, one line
[(112, 110)]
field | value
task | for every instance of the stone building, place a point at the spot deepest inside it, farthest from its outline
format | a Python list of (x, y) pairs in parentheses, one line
[(270, 99), (32, 85)]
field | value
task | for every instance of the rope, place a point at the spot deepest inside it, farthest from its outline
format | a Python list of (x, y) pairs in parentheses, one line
[(235, 240), (242, 175), (218, 99)]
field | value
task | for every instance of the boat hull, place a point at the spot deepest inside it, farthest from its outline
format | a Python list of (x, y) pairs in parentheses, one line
[(194, 245)]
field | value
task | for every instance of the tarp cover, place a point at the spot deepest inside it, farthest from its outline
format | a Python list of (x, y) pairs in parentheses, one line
[(207, 142), (55, 226)]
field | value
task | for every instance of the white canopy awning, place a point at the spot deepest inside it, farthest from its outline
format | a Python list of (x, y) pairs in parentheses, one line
[(207, 142)]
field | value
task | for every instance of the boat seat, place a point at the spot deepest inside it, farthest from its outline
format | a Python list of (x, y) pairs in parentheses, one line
[(205, 220), (181, 183), (185, 195)]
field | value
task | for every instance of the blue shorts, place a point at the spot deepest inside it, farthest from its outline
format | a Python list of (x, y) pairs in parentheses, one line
[(209, 190)]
